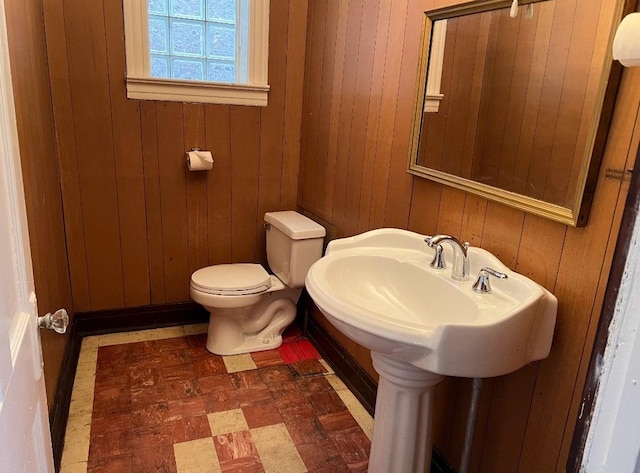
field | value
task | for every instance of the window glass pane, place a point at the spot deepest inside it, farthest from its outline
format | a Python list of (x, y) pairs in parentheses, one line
[(221, 72), (188, 9), (187, 38), (158, 7), (221, 41), (180, 39), (221, 10), (190, 69), (160, 66), (158, 34)]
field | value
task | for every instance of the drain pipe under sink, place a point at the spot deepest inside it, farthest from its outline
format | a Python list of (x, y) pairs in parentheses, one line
[(471, 425)]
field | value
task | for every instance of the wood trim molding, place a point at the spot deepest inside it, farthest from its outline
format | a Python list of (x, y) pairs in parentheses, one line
[(139, 318), (59, 412)]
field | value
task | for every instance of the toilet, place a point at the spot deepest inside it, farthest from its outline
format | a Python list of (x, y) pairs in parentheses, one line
[(249, 307)]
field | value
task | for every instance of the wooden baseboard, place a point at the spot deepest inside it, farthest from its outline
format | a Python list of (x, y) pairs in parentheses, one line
[(139, 318), (108, 321), (59, 412), (361, 384)]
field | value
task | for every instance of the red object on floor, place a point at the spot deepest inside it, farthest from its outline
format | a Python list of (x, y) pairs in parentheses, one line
[(298, 351)]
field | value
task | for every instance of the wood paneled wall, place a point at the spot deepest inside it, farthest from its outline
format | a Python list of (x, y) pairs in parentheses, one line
[(138, 224), (36, 133), (358, 99)]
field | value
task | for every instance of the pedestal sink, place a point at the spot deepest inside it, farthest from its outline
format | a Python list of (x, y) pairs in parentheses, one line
[(378, 289)]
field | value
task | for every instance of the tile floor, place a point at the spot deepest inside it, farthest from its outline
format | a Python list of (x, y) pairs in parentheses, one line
[(158, 401)]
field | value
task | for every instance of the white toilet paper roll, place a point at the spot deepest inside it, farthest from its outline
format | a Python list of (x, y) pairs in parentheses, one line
[(199, 160), (626, 44)]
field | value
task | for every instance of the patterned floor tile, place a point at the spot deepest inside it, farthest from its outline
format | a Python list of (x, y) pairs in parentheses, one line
[(277, 450), (237, 452), (196, 456), (237, 363), (227, 422), (190, 428), (158, 401)]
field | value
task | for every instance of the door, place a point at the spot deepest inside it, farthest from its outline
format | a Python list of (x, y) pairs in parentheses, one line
[(24, 426)]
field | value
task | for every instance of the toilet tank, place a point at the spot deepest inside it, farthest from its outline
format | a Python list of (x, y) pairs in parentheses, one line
[(294, 243)]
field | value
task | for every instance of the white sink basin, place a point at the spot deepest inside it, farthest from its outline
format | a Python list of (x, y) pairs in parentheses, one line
[(379, 290)]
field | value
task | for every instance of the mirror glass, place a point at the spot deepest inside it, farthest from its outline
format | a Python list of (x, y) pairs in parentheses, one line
[(512, 108)]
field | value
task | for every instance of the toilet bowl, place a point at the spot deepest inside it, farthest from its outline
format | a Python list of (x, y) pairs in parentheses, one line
[(249, 307)]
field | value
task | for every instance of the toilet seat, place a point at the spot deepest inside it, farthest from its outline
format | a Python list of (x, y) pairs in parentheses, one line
[(237, 279)]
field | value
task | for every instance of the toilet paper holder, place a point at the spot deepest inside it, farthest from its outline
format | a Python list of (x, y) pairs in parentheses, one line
[(199, 160)]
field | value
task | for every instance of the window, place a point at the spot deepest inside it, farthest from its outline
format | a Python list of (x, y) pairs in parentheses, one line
[(212, 51)]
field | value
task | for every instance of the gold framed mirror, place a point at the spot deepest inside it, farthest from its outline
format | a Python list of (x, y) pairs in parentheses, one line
[(517, 109)]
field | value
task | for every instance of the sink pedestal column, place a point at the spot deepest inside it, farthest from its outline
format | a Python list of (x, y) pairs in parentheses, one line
[(402, 429)]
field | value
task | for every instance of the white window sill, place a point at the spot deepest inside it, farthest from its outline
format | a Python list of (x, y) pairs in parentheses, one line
[(145, 88), (432, 103)]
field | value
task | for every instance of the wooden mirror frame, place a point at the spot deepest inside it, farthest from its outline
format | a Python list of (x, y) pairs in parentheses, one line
[(577, 214)]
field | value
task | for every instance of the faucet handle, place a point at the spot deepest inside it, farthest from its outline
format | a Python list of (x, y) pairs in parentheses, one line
[(482, 284), (438, 261)]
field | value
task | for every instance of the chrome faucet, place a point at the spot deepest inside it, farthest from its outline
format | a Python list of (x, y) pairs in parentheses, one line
[(460, 270)]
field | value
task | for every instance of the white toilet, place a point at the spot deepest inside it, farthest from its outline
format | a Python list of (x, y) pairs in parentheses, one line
[(249, 307)]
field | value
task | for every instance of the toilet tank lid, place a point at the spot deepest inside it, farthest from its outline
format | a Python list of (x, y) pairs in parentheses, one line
[(296, 226)]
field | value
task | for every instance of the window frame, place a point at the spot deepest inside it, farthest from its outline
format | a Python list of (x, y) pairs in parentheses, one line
[(141, 85)]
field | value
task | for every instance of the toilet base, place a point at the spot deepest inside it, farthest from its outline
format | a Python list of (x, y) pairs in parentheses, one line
[(245, 330), (252, 343)]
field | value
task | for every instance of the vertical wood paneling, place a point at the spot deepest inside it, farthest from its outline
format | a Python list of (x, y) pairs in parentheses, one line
[(525, 419), (219, 190), (295, 53), (356, 148), (196, 182), (153, 205), (91, 108), (390, 90), (315, 63), (375, 104), (137, 223), (36, 136), (324, 113), (245, 162), (400, 183), (335, 98), (56, 39), (127, 145), (173, 200), (348, 92), (272, 128)]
